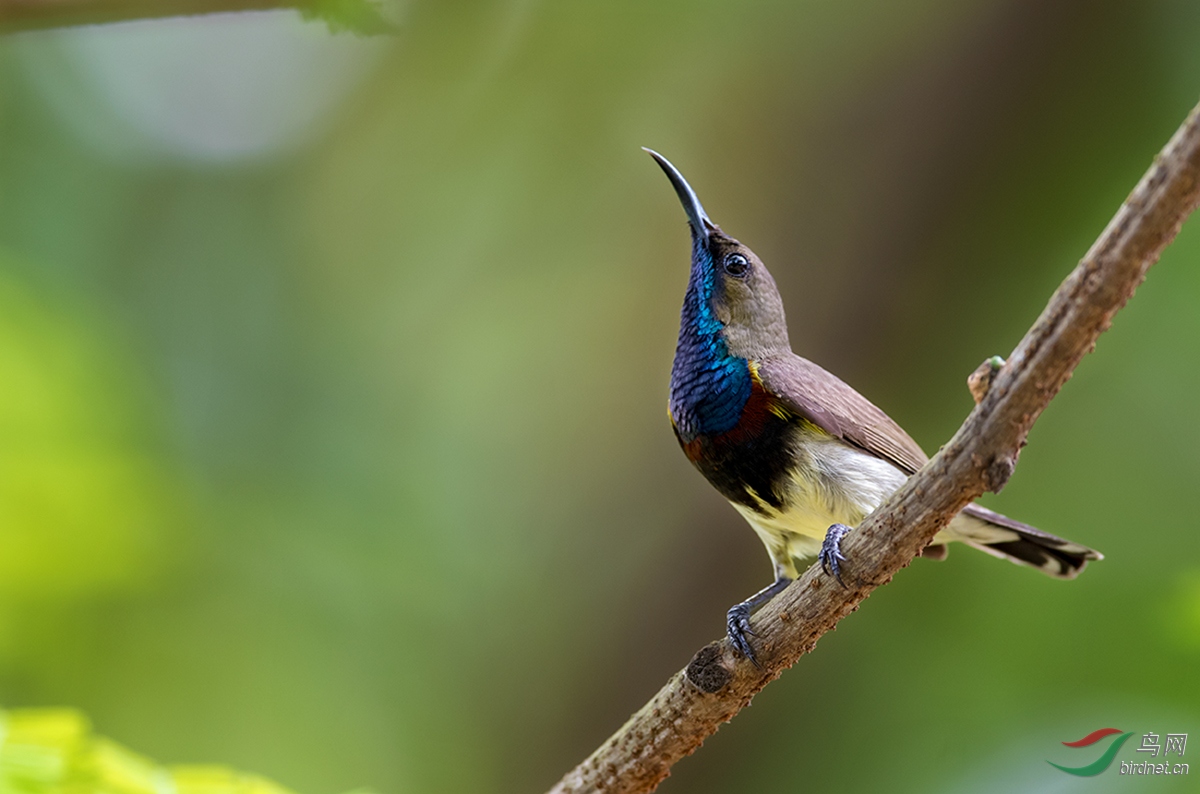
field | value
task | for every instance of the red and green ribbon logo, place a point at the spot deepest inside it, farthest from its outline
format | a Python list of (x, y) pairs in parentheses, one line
[(1101, 763)]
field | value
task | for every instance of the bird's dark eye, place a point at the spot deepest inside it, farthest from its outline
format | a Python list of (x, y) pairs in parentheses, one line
[(737, 265)]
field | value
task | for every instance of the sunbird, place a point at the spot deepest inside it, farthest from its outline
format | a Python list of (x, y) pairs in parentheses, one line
[(800, 454)]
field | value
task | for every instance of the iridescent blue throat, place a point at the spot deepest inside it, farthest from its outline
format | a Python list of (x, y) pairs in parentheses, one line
[(709, 387)]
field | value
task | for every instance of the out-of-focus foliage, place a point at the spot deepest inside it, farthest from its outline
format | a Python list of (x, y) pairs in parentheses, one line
[(53, 751), (85, 510), (333, 374), (365, 17)]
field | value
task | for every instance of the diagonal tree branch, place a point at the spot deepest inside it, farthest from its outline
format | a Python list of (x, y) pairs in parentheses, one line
[(717, 684), (17, 15), (360, 16)]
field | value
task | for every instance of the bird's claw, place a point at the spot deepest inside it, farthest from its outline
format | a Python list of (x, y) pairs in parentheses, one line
[(737, 620), (831, 552), (737, 626)]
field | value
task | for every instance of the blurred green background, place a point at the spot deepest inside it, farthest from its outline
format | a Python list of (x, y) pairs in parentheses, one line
[(333, 377)]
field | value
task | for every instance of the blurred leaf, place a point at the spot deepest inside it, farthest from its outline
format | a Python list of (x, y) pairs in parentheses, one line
[(53, 751), (364, 17), (83, 504)]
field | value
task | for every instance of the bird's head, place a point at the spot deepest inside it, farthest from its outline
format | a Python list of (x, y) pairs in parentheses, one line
[(730, 291)]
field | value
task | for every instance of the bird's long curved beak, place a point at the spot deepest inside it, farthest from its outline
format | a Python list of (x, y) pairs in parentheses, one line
[(702, 226)]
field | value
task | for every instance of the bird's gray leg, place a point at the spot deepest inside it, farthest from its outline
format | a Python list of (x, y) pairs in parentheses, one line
[(831, 551), (737, 621)]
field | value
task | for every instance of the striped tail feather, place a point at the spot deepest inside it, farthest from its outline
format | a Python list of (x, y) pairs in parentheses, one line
[(1020, 543)]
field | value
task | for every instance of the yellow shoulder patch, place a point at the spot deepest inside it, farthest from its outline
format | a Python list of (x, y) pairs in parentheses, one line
[(773, 405)]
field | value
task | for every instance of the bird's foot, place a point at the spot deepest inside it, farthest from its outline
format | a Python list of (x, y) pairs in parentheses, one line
[(831, 552), (737, 620), (737, 627)]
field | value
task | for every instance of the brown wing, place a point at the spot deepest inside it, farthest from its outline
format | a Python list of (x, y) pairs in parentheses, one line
[(827, 402)]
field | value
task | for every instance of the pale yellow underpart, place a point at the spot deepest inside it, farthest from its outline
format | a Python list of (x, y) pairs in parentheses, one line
[(834, 483)]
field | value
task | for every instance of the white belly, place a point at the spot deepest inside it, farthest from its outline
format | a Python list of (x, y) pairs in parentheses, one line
[(832, 483)]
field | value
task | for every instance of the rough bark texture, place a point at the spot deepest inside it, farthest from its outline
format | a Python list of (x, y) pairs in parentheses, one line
[(981, 457)]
